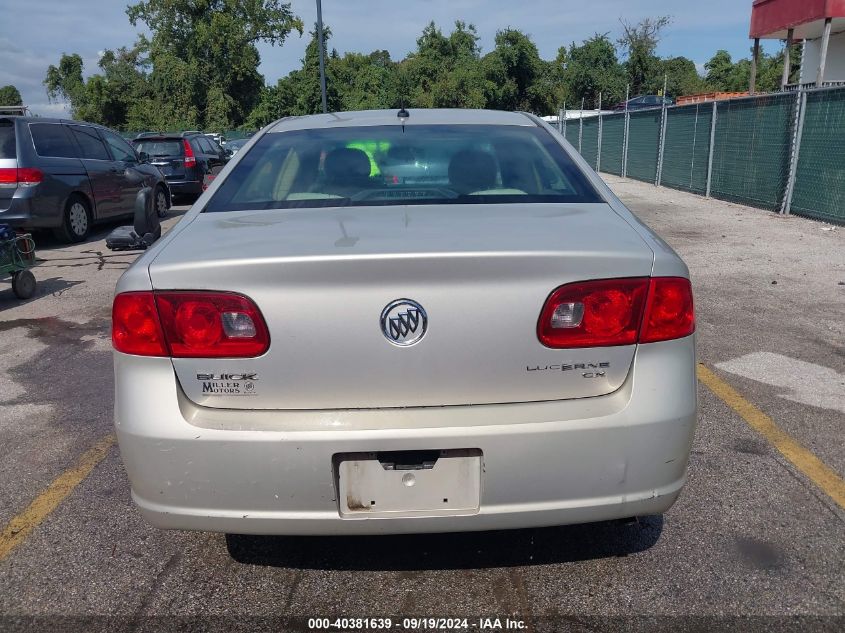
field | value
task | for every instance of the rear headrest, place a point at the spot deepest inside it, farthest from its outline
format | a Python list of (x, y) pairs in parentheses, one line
[(346, 166), (472, 170)]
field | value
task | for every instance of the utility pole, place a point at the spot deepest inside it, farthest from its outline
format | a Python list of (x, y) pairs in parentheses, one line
[(322, 47)]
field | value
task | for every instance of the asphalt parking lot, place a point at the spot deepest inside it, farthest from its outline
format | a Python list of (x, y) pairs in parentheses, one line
[(757, 534)]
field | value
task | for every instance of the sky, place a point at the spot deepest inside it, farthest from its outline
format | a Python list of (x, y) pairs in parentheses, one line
[(44, 29)]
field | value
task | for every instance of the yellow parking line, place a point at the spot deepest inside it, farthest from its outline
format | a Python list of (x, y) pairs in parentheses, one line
[(21, 525), (805, 461)]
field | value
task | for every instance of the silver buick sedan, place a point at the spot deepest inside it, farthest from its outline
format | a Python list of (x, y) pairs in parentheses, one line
[(424, 321)]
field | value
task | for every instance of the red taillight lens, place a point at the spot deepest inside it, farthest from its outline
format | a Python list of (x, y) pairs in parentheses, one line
[(15, 176), (136, 328), (594, 314), (188, 325), (29, 176), (669, 310), (190, 159), (212, 325), (612, 312)]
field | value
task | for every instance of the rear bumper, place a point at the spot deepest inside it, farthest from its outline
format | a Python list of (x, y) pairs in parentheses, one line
[(549, 463), (185, 186), (27, 210)]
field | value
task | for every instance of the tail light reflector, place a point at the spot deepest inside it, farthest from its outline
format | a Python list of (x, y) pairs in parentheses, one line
[(20, 176), (190, 159), (188, 325), (611, 312)]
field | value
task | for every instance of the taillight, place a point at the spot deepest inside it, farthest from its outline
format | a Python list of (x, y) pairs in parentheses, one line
[(189, 324), (612, 312), (190, 159), (135, 326), (669, 312), (20, 176)]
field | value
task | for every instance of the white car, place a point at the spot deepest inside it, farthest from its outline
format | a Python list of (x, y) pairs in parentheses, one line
[(330, 343)]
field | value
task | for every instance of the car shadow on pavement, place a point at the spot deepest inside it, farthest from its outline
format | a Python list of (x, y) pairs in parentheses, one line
[(466, 550)]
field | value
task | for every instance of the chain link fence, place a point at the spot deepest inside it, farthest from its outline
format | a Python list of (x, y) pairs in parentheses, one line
[(784, 152), (819, 190), (613, 144), (643, 144), (686, 149)]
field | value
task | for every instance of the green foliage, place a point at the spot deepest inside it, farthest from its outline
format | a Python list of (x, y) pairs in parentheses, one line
[(592, 70), (10, 96), (198, 69), (681, 76), (725, 75), (639, 43)]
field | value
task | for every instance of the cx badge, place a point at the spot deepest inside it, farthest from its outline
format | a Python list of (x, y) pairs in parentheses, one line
[(404, 322)]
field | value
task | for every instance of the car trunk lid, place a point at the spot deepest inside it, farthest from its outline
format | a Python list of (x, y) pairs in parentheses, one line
[(322, 279)]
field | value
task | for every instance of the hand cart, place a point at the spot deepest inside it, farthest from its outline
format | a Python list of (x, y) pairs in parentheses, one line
[(17, 256)]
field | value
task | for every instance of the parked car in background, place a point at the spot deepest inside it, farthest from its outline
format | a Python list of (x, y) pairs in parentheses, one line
[(184, 159), (217, 137), (493, 342), (67, 175), (234, 146), (644, 102)]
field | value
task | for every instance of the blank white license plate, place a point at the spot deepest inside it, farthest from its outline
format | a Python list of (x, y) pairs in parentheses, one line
[(409, 483)]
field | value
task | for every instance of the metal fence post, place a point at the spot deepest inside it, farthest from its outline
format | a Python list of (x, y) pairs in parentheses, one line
[(581, 127), (797, 135), (563, 120), (598, 153), (625, 142), (694, 143), (663, 122), (560, 121), (712, 147)]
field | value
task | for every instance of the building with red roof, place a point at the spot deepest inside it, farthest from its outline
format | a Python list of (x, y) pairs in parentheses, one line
[(821, 26)]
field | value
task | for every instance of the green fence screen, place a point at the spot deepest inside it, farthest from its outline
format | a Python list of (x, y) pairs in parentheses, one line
[(820, 178), (612, 143), (590, 141), (686, 151), (644, 144), (572, 126), (752, 151)]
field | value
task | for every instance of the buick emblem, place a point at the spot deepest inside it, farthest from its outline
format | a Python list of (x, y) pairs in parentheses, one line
[(404, 322)]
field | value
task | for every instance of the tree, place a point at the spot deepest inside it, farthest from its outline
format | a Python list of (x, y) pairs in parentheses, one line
[(204, 57), (594, 69), (65, 82), (639, 43), (512, 70), (681, 75), (10, 96), (719, 69), (725, 75)]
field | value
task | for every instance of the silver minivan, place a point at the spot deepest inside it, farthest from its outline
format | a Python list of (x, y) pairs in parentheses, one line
[(67, 175)]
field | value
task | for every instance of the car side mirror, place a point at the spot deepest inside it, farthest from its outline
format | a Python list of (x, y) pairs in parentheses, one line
[(143, 157)]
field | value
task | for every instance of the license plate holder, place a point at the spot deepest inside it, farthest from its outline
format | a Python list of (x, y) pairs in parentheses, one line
[(408, 483)]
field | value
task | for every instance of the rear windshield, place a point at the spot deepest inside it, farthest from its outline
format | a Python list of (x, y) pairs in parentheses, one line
[(7, 139), (159, 147), (389, 165)]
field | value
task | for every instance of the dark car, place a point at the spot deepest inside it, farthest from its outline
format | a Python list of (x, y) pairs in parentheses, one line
[(67, 175), (644, 102), (184, 158)]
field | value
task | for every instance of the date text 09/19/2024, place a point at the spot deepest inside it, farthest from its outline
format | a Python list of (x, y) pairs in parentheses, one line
[(416, 624)]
